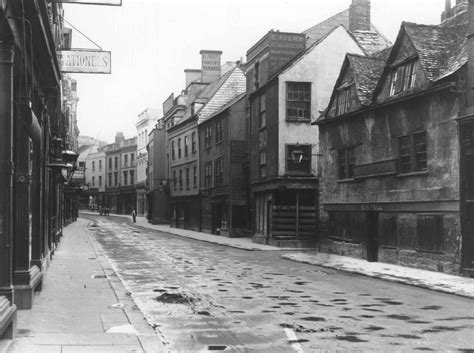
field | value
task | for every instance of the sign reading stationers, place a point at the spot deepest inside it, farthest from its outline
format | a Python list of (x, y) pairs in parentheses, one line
[(85, 61), (91, 2)]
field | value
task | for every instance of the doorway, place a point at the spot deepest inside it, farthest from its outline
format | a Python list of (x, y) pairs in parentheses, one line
[(372, 236), (466, 133)]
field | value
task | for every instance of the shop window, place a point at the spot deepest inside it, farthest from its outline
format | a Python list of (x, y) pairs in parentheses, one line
[(388, 231), (301, 162), (298, 101), (430, 233), (403, 77), (348, 226), (346, 162), (413, 153)]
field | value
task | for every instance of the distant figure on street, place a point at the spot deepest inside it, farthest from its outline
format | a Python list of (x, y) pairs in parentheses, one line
[(134, 216)]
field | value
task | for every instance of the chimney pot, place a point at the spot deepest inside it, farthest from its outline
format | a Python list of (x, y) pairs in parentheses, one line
[(359, 15)]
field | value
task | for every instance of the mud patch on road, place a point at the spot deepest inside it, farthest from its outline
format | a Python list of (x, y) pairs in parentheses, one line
[(174, 298), (400, 317), (431, 307), (350, 338), (374, 328), (313, 318), (437, 329)]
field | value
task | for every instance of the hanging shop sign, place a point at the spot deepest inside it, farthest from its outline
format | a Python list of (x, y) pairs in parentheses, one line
[(91, 2), (85, 61)]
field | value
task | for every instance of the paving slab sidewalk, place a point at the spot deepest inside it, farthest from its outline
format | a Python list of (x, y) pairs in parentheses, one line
[(83, 306), (437, 281)]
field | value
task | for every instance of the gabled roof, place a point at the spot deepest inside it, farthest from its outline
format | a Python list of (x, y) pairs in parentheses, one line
[(230, 86), (368, 40), (228, 105), (442, 49), (366, 71)]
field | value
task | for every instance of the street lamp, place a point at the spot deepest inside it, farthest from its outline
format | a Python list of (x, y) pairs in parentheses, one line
[(297, 154)]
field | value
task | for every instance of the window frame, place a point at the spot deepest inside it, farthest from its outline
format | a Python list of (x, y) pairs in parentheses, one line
[(219, 171), (403, 76), (346, 99), (262, 170), (346, 163), (412, 159), (262, 114), (193, 142), (298, 94), (208, 175)]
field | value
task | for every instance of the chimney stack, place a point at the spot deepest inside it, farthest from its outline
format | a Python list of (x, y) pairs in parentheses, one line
[(470, 62), (447, 13), (359, 15), (192, 75), (210, 65), (119, 138)]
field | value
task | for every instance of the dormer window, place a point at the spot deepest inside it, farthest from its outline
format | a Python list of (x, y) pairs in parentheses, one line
[(403, 77), (345, 100)]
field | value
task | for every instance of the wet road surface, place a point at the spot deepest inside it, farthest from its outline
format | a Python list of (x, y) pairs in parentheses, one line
[(205, 297)]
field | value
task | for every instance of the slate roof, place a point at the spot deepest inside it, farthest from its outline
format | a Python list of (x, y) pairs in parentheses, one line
[(231, 85), (367, 71), (370, 41), (442, 49)]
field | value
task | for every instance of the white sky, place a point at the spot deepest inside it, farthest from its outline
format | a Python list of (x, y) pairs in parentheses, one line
[(153, 41)]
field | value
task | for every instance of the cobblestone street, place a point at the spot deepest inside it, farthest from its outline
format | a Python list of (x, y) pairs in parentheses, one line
[(201, 296)]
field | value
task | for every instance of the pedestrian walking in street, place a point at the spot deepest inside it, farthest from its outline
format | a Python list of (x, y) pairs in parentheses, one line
[(134, 216)]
